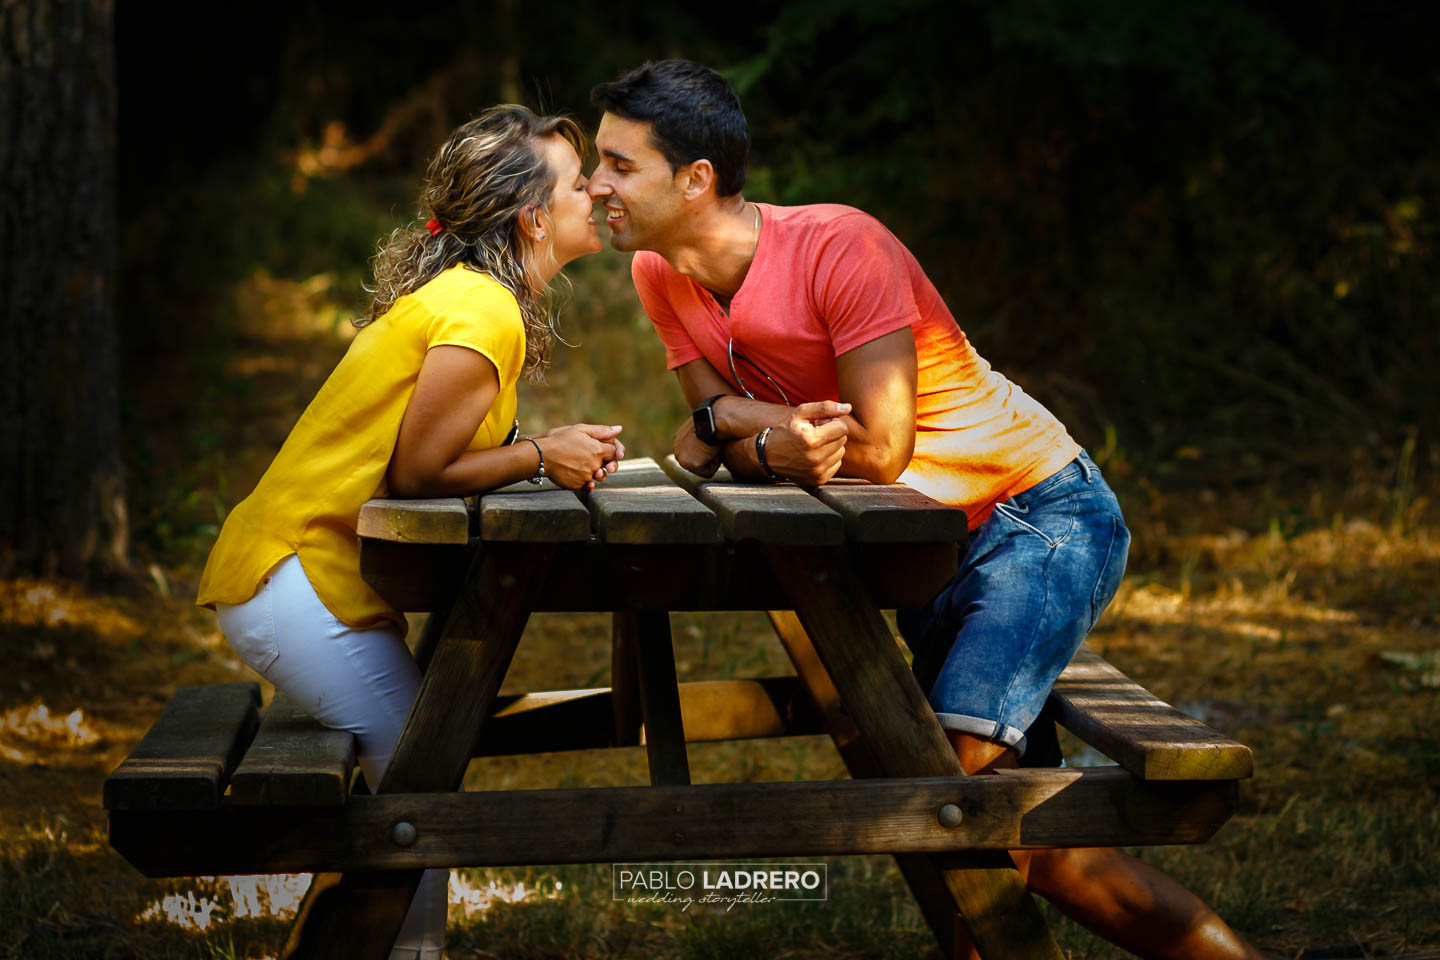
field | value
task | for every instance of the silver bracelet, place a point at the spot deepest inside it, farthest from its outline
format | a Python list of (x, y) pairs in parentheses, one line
[(760, 439), (540, 475)]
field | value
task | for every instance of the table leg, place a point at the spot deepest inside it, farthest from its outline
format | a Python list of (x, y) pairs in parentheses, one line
[(659, 696), (624, 680), (360, 916), (922, 874), (430, 635), (896, 724)]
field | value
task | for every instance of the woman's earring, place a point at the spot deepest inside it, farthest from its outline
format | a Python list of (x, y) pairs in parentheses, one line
[(542, 236)]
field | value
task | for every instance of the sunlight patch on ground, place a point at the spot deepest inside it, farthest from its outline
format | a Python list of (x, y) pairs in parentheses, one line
[(471, 897), (1354, 576), (185, 911), (32, 732), (39, 603), (216, 901), (271, 895), (1239, 612)]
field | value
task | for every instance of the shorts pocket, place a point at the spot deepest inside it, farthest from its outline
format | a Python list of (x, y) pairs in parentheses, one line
[(1050, 520), (250, 628)]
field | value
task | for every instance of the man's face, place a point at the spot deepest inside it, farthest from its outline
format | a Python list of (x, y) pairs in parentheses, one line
[(641, 194)]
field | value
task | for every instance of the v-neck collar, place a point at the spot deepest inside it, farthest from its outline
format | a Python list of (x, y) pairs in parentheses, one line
[(728, 311)]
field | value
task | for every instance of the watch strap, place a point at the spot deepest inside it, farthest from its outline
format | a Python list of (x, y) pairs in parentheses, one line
[(704, 418)]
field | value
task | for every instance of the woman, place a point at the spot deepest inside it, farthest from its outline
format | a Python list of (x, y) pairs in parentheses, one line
[(421, 405)]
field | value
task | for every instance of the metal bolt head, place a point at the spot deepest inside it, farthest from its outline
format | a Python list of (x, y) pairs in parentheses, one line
[(403, 834), (950, 816)]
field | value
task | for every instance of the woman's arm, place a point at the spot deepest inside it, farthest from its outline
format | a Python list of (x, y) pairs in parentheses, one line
[(453, 394)]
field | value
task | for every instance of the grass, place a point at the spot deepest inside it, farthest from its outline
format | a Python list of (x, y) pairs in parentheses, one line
[(1264, 610)]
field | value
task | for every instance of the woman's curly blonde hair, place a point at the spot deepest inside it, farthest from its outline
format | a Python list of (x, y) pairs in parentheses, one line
[(489, 173)]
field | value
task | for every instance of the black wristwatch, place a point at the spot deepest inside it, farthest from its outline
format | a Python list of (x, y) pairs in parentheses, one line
[(705, 421)]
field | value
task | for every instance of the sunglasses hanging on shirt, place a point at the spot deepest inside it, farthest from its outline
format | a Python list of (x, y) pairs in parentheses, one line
[(740, 381)]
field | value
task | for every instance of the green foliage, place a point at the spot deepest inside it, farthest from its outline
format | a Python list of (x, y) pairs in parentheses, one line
[(1201, 226), (197, 240), (1186, 208)]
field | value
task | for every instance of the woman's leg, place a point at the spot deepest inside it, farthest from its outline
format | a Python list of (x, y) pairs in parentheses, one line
[(361, 681)]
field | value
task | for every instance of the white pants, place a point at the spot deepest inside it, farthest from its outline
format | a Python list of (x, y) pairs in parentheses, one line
[(361, 681)]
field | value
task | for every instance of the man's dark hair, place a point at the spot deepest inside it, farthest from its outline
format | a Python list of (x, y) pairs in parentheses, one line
[(692, 111)]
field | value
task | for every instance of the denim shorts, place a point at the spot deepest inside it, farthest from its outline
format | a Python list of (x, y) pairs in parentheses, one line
[(1033, 580)]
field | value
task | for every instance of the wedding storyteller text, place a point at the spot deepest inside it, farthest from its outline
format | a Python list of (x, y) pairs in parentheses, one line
[(717, 885)]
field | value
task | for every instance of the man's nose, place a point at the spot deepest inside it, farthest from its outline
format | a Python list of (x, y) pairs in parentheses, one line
[(597, 187)]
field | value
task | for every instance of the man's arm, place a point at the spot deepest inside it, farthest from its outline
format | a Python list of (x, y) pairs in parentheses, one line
[(878, 379), (805, 445), (877, 386)]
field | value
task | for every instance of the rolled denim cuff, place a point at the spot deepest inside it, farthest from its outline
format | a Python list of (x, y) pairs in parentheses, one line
[(985, 729)]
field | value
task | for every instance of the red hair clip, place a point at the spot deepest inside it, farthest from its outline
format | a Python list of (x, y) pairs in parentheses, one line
[(435, 227)]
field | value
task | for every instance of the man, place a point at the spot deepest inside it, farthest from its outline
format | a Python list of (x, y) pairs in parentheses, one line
[(810, 344)]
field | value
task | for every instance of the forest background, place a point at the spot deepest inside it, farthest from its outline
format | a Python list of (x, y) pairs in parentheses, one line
[(1203, 233)]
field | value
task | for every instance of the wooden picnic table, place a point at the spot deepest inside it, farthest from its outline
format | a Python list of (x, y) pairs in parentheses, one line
[(214, 790)]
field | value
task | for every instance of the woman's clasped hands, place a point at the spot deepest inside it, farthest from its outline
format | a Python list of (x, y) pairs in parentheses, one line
[(580, 455)]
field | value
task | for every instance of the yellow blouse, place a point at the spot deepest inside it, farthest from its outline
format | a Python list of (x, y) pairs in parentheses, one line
[(335, 458)]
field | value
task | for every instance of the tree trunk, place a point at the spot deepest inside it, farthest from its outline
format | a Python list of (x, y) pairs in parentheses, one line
[(62, 507)]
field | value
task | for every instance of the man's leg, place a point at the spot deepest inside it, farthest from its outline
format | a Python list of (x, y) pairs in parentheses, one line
[(1127, 901), (988, 648)]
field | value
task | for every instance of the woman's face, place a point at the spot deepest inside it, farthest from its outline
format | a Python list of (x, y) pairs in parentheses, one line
[(571, 232)]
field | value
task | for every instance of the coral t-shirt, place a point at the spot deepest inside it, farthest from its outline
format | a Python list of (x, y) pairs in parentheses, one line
[(826, 279), (308, 502)]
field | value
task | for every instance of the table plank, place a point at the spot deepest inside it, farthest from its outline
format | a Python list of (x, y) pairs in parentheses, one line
[(1142, 733), (746, 709), (440, 520), (595, 576), (527, 513), (891, 513), (639, 472), (767, 513), (1024, 809), (712, 710), (640, 504)]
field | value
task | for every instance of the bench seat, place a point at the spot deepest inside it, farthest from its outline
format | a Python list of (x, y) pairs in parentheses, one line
[(210, 747), (210, 744)]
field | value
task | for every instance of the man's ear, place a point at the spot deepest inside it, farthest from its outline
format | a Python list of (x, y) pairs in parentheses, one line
[(695, 178)]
